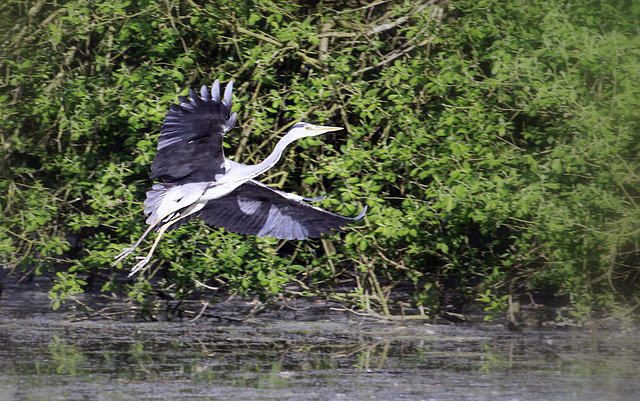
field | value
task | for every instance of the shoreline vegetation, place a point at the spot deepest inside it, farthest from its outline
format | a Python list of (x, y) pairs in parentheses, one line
[(495, 143)]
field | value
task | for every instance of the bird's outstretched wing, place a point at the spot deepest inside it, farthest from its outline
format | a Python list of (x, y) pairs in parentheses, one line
[(190, 143), (256, 209)]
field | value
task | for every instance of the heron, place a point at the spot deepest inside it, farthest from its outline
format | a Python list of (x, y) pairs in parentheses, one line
[(199, 181)]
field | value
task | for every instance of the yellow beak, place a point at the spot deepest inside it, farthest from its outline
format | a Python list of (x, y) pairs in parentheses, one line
[(322, 129)]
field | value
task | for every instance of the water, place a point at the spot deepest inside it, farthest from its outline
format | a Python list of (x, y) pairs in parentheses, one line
[(47, 356)]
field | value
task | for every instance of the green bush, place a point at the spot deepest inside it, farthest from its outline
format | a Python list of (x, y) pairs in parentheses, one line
[(495, 143)]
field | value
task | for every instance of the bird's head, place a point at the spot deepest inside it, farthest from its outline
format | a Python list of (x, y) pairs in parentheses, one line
[(301, 130)]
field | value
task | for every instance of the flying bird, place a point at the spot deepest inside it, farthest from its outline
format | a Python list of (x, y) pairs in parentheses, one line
[(198, 181)]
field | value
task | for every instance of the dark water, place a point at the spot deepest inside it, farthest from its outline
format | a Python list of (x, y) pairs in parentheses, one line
[(340, 357)]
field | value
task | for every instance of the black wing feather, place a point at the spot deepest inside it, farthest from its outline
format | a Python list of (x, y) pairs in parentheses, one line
[(190, 144), (256, 209)]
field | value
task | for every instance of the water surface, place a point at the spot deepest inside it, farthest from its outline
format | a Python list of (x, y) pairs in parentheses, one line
[(339, 356)]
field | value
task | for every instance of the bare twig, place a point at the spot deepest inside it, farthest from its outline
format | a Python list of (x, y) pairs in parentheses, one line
[(200, 284), (204, 307), (391, 56)]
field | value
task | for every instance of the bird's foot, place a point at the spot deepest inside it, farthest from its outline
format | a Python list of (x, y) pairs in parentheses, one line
[(139, 265), (122, 255)]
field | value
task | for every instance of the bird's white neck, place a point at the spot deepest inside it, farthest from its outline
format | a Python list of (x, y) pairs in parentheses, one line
[(257, 169)]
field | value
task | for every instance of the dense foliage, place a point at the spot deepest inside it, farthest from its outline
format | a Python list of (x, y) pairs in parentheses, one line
[(495, 142)]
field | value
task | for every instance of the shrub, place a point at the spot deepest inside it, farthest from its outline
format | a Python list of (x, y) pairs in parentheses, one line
[(494, 142)]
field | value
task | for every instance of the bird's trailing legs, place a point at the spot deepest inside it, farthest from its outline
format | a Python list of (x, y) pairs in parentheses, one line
[(127, 251), (147, 258)]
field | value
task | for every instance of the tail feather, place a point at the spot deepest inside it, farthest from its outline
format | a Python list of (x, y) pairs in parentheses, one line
[(168, 202), (153, 201)]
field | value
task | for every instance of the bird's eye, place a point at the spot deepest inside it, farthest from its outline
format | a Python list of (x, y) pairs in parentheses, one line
[(307, 127)]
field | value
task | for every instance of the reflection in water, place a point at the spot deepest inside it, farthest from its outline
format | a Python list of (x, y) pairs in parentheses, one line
[(66, 358), (45, 359)]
